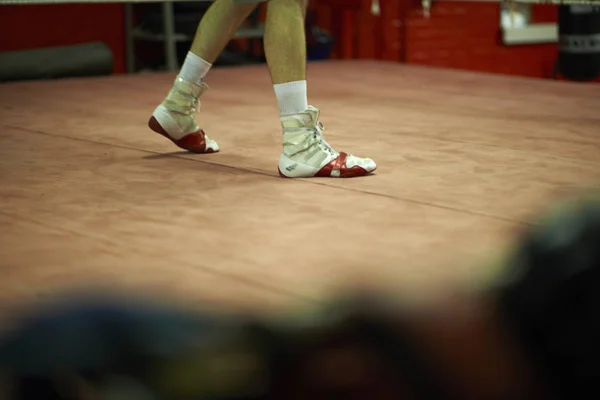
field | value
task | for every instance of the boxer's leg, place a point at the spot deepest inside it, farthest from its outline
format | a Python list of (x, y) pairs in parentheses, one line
[(285, 41), (218, 26), (174, 117), (305, 152)]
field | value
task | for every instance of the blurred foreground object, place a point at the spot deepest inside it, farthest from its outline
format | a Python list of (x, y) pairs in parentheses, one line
[(552, 295), (533, 335)]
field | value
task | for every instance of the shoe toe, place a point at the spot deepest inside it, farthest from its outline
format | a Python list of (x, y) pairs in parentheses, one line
[(365, 163), (211, 145), (369, 165)]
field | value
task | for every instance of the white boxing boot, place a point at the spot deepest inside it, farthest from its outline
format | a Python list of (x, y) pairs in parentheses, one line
[(175, 118), (306, 154)]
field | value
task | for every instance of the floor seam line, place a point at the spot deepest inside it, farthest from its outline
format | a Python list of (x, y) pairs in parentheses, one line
[(211, 271), (412, 201)]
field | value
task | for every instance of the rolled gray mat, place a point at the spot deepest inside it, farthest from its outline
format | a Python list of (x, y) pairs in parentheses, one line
[(89, 59)]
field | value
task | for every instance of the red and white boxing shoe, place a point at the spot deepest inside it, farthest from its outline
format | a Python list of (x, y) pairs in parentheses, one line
[(174, 118), (306, 154)]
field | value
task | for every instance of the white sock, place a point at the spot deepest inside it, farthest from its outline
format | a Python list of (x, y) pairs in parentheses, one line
[(194, 68), (291, 97)]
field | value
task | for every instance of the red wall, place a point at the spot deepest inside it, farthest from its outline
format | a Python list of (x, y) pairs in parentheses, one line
[(458, 34), (467, 36), (463, 35), (31, 26)]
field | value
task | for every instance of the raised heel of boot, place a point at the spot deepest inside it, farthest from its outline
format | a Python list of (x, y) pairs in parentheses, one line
[(156, 127)]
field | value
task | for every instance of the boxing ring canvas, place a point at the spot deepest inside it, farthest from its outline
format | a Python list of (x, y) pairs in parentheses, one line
[(91, 196)]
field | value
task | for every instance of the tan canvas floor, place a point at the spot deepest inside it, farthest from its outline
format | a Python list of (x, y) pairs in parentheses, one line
[(91, 196)]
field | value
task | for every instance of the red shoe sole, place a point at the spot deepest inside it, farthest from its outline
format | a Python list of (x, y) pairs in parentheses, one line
[(343, 177)]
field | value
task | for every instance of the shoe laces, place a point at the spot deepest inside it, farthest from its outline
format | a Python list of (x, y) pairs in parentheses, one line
[(186, 96), (318, 138), (184, 103), (195, 105)]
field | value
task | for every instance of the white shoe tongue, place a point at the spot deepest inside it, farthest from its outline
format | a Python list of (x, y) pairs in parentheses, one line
[(298, 120)]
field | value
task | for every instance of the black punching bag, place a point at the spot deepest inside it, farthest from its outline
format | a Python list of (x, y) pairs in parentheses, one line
[(579, 42)]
